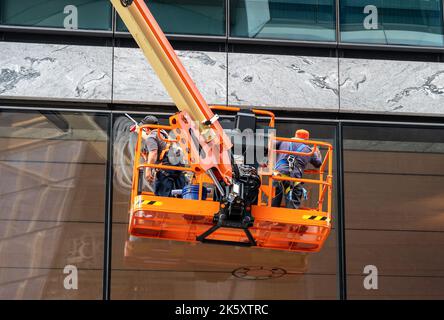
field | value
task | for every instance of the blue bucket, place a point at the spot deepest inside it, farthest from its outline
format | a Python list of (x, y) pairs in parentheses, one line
[(192, 192)]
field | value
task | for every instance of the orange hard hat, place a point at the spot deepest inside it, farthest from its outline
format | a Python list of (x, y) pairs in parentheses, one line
[(302, 134)]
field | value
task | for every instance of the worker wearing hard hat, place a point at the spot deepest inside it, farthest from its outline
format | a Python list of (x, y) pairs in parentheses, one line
[(293, 166), (157, 151)]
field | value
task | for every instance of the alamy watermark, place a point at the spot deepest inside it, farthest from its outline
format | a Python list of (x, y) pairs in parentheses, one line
[(71, 21), (371, 20), (71, 280), (250, 146), (371, 278)]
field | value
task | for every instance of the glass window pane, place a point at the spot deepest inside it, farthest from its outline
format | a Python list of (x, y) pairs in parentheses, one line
[(89, 14), (395, 22), (193, 271), (283, 19), (52, 195), (394, 191), (194, 17)]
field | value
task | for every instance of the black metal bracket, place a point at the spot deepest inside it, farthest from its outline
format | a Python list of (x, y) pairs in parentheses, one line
[(126, 3), (203, 237)]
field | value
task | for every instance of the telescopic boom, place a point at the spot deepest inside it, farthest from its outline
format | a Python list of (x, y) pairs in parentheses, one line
[(179, 85)]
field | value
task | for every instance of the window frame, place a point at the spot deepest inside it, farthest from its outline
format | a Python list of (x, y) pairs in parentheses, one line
[(400, 47), (60, 30), (227, 39)]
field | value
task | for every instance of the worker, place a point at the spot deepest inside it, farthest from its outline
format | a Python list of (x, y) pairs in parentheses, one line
[(293, 166), (156, 150)]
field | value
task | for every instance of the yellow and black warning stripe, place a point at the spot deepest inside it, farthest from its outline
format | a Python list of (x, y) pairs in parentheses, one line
[(149, 203), (315, 218)]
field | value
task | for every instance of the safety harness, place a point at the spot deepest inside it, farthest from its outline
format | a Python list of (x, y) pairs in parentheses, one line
[(164, 151), (167, 148), (291, 160)]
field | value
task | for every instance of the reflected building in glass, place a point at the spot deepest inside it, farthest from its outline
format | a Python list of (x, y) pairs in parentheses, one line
[(283, 19), (417, 23)]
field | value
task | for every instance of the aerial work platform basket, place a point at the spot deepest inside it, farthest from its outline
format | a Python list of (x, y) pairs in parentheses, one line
[(171, 218)]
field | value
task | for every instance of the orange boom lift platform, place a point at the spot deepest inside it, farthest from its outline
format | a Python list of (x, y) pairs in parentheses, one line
[(239, 210)]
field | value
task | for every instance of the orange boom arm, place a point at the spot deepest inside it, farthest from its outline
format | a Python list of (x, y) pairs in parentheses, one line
[(181, 88)]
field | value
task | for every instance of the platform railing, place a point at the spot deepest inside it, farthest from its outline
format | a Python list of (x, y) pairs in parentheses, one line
[(325, 181), (324, 172)]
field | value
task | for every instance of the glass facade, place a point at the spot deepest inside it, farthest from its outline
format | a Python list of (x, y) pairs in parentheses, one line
[(380, 22), (54, 189), (392, 22), (283, 19), (394, 191), (52, 195), (194, 17), (81, 14)]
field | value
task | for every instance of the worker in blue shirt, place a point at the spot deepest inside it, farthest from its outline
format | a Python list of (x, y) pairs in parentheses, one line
[(293, 166)]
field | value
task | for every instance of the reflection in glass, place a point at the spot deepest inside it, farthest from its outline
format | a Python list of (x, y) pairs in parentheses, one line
[(418, 23), (394, 191), (95, 15), (52, 195), (283, 19), (195, 17)]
